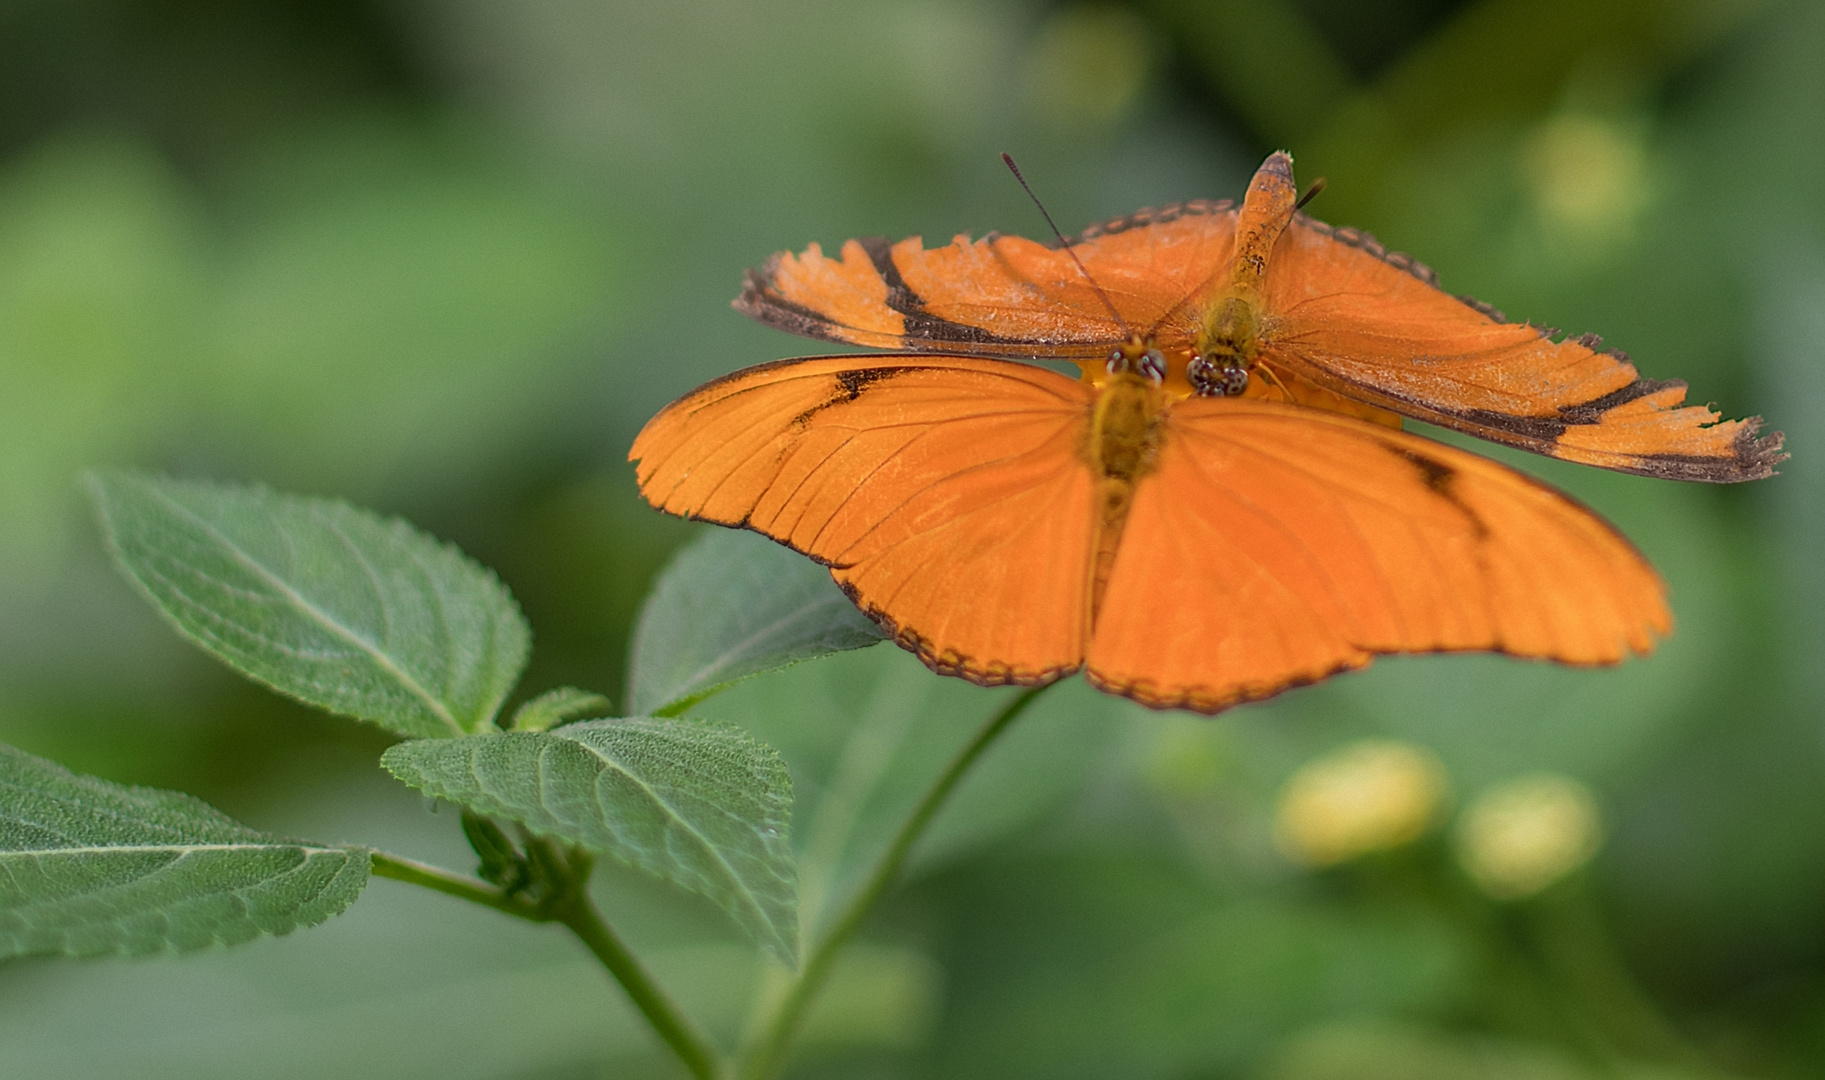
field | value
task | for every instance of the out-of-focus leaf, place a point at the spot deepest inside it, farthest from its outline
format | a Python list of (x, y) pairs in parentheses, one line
[(405, 1004), (102, 268), (88, 867), (701, 805), (868, 732), (330, 604), (732, 605), (401, 300), (553, 707), (1079, 967), (1374, 1049)]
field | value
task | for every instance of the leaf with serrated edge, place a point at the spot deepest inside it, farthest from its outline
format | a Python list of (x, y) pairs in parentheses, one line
[(731, 605), (701, 805), (88, 867), (330, 604)]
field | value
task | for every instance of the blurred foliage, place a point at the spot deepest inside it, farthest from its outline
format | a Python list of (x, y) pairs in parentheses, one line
[(443, 257)]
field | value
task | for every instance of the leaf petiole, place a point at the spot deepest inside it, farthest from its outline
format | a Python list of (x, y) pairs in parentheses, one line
[(571, 907), (474, 890), (579, 914)]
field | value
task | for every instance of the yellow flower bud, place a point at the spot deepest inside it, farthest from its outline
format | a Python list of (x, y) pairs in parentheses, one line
[(1523, 834), (1369, 796)]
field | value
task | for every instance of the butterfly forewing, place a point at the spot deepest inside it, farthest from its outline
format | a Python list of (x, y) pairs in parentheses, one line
[(946, 494), (1274, 546), (1003, 295), (1375, 327)]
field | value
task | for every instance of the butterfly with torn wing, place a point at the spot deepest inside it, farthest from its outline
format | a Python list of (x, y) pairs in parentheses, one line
[(1223, 505)]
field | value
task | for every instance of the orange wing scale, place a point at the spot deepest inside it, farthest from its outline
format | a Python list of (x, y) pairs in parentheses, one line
[(844, 300), (1271, 545), (1289, 544), (1375, 327), (947, 495), (1001, 296), (1350, 318)]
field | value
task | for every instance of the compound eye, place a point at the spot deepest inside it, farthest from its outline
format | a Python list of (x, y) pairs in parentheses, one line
[(1118, 362), (1214, 380), (1153, 365), (1205, 377)]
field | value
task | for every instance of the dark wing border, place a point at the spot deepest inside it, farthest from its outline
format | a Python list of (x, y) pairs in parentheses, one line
[(1753, 456)]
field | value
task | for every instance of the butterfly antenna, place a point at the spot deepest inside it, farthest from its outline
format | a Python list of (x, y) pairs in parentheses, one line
[(1066, 244), (1310, 193)]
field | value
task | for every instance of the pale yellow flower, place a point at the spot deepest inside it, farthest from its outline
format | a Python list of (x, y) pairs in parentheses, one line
[(1523, 834), (1369, 796)]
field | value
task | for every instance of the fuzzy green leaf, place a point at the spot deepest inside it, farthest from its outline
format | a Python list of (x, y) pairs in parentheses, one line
[(88, 867), (330, 604), (701, 805), (554, 707), (731, 605)]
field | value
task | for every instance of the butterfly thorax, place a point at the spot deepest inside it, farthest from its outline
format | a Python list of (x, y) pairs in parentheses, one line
[(1232, 336), (1124, 432)]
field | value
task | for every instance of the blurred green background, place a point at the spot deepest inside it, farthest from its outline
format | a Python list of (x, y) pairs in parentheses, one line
[(443, 257)]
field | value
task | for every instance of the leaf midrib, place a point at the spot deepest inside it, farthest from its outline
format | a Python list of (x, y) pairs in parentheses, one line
[(741, 888), (323, 618), (180, 849)]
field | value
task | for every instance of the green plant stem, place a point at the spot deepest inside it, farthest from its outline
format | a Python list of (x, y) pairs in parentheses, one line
[(573, 909), (579, 913), (778, 1034), (1582, 962), (467, 888)]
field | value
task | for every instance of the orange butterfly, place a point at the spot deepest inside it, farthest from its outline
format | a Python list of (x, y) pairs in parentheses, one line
[(1223, 506)]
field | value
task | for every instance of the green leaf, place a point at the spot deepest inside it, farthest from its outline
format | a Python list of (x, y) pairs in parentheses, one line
[(868, 732), (701, 805), (330, 604), (553, 707), (501, 863), (88, 867), (732, 605)]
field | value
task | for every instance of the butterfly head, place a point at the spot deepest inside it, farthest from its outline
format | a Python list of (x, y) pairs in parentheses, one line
[(1212, 378), (1177, 372), (1141, 357)]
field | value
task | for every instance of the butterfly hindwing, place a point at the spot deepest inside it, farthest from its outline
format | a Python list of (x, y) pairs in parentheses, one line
[(1273, 546), (1375, 327), (947, 495)]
